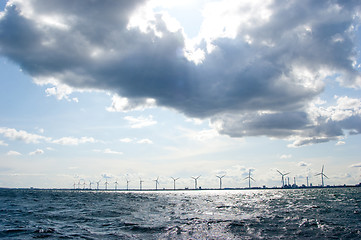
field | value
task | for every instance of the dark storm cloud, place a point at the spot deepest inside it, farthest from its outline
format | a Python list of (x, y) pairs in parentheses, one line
[(87, 45)]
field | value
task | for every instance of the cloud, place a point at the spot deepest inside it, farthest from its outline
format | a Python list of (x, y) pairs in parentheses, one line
[(140, 122), (37, 152), (74, 141), (109, 151), (303, 164), (126, 140), (356, 165), (261, 64), (121, 104), (13, 153), (145, 141), (2, 143), (285, 156), (21, 135)]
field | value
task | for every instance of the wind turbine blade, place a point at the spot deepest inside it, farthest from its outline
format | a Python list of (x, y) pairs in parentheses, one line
[(286, 173), (325, 176), (245, 178), (318, 174), (253, 179), (322, 168), (279, 172)]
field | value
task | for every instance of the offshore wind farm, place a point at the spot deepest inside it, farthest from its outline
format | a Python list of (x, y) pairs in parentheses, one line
[(284, 184)]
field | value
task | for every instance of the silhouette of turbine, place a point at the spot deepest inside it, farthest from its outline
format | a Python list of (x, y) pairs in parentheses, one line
[(115, 185), (156, 183), (140, 184), (174, 179), (90, 184), (127, 183), (283, 177), (106, 184), (98, 184), (195, 181), (220, 180), (249, 178), (322, 175)]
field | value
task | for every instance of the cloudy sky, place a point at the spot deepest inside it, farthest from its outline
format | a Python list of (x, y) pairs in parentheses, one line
[(116, 90)]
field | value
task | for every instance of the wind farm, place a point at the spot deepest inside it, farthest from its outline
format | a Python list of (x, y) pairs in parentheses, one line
[(170, 185)]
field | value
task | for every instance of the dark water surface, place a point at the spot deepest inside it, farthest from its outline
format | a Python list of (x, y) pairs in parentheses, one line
[(254, 214)]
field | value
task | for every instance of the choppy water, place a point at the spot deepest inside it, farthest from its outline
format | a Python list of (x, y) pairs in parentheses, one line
[(254, 214)]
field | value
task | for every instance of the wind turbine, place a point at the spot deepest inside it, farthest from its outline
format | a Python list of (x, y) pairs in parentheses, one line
[(115, 185), (98, 185), (140, 184), (220, 180), (90, 184), (106, 184), (195, 181), (307, 180), (127, 183), (322, 175), (249, 178), (74, 185), (156, 183), (174, 179), (283, 177), (79, 184)]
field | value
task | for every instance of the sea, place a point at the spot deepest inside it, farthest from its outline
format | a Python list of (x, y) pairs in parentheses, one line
[(323, 213)]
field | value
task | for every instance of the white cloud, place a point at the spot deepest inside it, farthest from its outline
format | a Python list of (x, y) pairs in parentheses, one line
[(74, 141), (21, 135), (285, 156), (2, 143), (339, 143), (109, 151), (13, 153), (37, 152), (140, 122), (126, 140), (122, 104), (145, 140)]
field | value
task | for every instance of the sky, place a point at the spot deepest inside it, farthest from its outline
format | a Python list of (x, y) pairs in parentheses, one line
[(117, 90)]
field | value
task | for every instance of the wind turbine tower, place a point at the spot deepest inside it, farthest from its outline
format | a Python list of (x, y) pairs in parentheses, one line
[(106, 184), (307, 180), (156, 183), (249, 178), (174, 179), (294, 181), (115, 185), (322, 175), (220, 180), (127, 184), (283, 177), (90, 185), (140, 184), (98, 184), (195, 181)]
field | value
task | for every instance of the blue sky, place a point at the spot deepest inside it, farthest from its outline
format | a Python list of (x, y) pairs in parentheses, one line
[(136, 90)]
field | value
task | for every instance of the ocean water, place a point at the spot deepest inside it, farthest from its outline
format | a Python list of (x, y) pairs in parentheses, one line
[(243, 214)]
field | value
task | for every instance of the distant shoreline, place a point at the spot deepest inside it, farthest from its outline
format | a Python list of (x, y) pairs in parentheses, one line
[(185, 189)]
